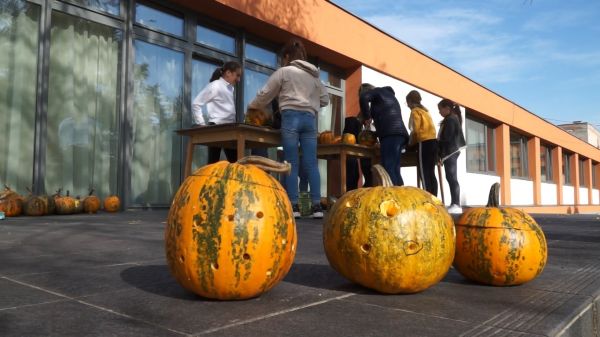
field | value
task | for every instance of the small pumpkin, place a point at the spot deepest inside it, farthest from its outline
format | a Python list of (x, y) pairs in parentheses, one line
[(389, 238), (11, 203), (35, 205), (91, 203), (367, 137), (112, 203), (231, 232), (65, 204), (499, 246), (257, 117), (326, 137), (348, 138)]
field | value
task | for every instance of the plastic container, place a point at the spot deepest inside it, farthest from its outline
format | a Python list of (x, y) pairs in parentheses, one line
[(1, 215), (304, 204)]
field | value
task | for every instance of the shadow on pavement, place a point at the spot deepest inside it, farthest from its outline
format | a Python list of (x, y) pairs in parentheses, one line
[(157, 279)]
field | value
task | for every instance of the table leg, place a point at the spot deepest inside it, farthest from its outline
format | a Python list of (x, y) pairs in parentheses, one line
[(241, 146), (189, 156), (342, 172)]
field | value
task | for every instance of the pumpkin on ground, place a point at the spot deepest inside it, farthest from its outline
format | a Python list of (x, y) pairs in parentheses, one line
[(35, 205), (367, 137), (499, 246), (326, 137), (348, 138), (91, 203), (231, 232), (11, 203), (112, 203), (389, 238), (65, 204)]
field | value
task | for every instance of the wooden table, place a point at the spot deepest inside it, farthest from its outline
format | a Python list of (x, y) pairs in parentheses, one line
[(233, 136), (342, 151)]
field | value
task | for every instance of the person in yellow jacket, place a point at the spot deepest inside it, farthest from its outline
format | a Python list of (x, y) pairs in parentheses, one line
[(422, 135)]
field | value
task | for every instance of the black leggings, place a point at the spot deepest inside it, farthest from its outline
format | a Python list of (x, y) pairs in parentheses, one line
[(451, 177), (352, 175), (427, 157), (214, 155)]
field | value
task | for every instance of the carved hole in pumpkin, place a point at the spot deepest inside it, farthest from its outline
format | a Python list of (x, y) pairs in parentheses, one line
[(181, 259), (230, 217), (269, 272), (259, 214), (283, 241), (366, 248), (246, 256), (214, 266), (389, 208), (348, 204), (293, 247)]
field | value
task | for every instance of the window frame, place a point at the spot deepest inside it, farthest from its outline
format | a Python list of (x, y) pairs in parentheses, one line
[(489, 131), (549, 174), (566, 169), (523, 155)]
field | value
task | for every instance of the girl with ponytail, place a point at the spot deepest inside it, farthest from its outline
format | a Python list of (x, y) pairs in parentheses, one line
[(451, 140)]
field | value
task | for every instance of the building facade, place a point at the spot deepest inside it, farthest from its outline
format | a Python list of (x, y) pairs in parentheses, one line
[(584, 131), (91, 92)]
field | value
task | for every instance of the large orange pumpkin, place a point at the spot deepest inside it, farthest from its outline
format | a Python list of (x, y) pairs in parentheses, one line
[(231, 233), (65, 204), (91, 203), (11, 203), (389, 238), (112, 203), (499, 246), (35, 205), (348, 138), (326, 137)]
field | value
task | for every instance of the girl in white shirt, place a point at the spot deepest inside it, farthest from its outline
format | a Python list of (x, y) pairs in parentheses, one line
[(215, 104)]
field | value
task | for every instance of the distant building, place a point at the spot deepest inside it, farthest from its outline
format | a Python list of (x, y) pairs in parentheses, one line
[(584, 131)]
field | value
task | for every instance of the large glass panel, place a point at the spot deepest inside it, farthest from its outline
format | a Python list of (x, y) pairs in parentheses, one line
[(201, 73), (582, 168), (546, 163), (108, 6), (158, 101), (476, 146), (19, 22), (594, 176), (158, 19), (518, 156), (253, 82), (566, 169), (83, 91), (261, 55), (215, 39), (329, 78)]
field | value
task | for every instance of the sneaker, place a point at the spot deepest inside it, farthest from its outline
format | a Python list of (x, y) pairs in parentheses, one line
[(296, 210), (454, 209), (317, 211)]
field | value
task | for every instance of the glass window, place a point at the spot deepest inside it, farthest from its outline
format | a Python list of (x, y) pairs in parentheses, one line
[(261, 55), (158, 100), (566, 168), (108, 6), (582, 169), (253, 82), (480, 146), (83, 105), (546, 163), (518, 156), (594, 176), (330, 79), (19, 24), (158, 19), (215, 39)]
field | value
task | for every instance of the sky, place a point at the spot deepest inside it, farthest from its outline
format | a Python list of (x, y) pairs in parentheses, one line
[(543, 55)]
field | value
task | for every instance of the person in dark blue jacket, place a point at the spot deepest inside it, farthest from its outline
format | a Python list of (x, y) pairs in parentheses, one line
[(380, 105)]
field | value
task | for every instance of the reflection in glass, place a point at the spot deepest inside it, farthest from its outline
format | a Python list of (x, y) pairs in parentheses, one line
[(201, 72), (158, 101), (19, 23), (518, 155), (566, 169), (253, 82), (330, 79), (582, 181), (480, 147), (546, 163), (108, 6), (82, 106), (261, 55), (329, 118), (215, 39), (157, 19)]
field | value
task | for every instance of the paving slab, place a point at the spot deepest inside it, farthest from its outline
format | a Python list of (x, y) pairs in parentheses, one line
[(105, 275)]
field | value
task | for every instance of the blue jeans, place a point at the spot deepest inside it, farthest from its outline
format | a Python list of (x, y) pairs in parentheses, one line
[(300, 127), (391, 152)]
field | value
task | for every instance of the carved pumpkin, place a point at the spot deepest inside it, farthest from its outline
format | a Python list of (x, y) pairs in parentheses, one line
[(91, 203), (35, 205), (112, 203), (367, 137), (65, 204), (230, 232), (348, 138), (499, 246), (326, 137), (11, 203), (257, 117), (389, 238)]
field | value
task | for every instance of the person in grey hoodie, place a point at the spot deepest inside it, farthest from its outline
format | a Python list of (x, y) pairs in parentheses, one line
[(300, 94)]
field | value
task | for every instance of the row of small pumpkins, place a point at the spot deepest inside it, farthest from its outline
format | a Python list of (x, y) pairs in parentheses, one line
[(365, 137), (13, 204), (236, 238)]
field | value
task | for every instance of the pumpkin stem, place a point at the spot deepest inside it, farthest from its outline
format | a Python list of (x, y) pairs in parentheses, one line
[(266, 164), (381, 177), (494, 197), (91, 191)]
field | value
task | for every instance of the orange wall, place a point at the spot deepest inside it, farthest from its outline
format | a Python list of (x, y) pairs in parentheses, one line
[(338, 32)]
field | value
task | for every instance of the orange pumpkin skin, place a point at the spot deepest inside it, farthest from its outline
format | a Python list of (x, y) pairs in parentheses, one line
[(35, 205), (499, 246), (337, 139), (65, 204), (367, 137), (257, 117), (11, 203), (112, 203), (326, 137), (348, 138), (391, 239), (91, 204), (230, 232)]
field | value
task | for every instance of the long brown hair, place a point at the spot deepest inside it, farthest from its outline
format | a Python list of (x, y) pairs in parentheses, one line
[(415, 98), (294, 49), (454, 108)]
